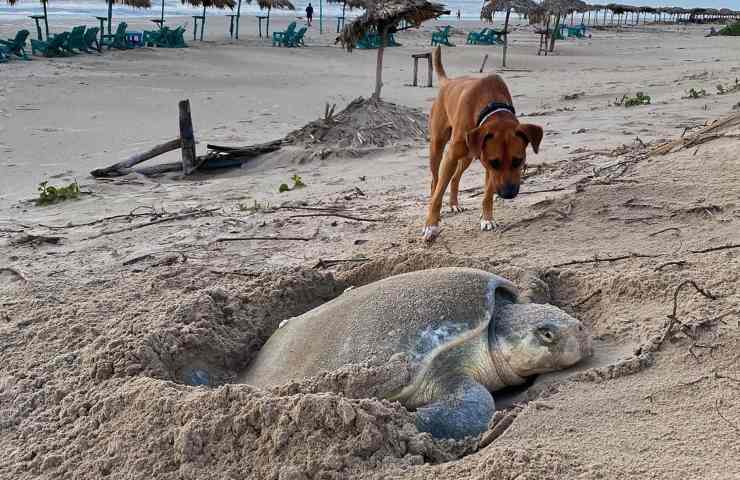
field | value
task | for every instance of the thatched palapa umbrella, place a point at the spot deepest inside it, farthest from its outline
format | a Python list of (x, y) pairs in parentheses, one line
[(220, 4), (493, 6), (270, 4), (560, 9), (383, 17)]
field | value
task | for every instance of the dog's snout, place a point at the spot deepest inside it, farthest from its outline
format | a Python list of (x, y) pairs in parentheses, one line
[(509, 191)]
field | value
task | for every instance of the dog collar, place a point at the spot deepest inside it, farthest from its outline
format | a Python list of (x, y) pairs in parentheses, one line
[(492, 109)]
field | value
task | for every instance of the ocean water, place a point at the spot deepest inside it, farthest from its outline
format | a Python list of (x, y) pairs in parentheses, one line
[(469, 9)]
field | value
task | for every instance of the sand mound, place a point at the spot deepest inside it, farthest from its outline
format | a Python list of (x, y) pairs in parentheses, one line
[(364, 123)]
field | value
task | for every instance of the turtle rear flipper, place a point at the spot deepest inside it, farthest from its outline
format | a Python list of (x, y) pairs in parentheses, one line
[(464, 411)]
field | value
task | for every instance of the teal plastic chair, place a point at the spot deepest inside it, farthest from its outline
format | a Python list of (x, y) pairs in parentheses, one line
[(281, 38), (442, 37), (52, 48), (15, 46)]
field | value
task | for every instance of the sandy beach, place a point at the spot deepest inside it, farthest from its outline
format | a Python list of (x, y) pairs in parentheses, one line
[(102, 317)]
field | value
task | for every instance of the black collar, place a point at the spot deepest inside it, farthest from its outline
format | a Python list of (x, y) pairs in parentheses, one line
[(492, 107)]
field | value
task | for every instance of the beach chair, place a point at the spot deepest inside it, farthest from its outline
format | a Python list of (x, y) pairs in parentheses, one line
[(474, 37), (16, 46), (76, 41), (152, 37), (176, 38), (491, 37), (164, 37), (281, 38), (296, 40), (578, 32), (167, 38), (52, 48), (117, 39), (91, 39), (442, 37)]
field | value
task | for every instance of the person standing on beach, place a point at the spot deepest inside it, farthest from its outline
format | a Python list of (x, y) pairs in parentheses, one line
[(458, 14), (309, 13)]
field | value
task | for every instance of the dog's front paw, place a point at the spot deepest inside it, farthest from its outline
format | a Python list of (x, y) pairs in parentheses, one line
[(430, 232), (456, 209), (487, 225)]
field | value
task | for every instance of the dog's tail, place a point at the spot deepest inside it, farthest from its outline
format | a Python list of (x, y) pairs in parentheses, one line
[(438, 67)]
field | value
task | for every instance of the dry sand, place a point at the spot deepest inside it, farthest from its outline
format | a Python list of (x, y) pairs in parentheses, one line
[(104, 326)]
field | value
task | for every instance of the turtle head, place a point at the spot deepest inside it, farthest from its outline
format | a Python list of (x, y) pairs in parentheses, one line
[(534, 338)]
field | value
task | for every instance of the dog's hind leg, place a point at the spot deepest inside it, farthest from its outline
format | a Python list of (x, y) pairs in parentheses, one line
[(462, 165)]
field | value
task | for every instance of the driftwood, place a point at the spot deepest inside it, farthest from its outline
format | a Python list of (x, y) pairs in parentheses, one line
[(157, 221), (697, 138), (483, 65), (124, 167), (237, 239)]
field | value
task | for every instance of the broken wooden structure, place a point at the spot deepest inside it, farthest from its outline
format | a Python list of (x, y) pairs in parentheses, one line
[(428, 57), (217, 156)]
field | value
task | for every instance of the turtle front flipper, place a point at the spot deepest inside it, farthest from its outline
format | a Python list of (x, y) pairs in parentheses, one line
[(463, 411)]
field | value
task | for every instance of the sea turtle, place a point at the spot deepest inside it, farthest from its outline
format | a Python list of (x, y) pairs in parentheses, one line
[(461, 329)]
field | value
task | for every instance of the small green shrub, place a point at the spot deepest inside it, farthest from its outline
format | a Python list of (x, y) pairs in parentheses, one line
[(297, 183), (694, 93), (49, 194), (639, 99), (732, 30)]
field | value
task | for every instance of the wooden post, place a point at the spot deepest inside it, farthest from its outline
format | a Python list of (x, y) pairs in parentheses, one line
[(238, 14), (506, 37), (203, 22), (46, 21), (483, 65), (429, 71), (555, 33), (416, 71), (110, 14), (187, 139)]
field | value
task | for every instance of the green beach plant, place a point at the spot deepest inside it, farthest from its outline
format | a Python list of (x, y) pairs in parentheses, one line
[(49, 194), (639, 99), (694, 93)]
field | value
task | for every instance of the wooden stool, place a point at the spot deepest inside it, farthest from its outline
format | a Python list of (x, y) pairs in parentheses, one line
[(416, 58)]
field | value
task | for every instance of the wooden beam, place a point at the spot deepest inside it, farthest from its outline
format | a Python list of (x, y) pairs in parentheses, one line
[(124, 167)]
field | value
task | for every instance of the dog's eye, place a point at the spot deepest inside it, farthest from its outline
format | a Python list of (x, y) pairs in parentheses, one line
[(496, 163), (516, 162)]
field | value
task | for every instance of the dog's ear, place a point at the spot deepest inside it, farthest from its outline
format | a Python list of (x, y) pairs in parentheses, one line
[(475, 139), (531, 134)]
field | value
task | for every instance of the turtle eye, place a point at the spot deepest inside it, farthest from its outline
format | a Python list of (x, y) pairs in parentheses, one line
[(546, 335), (495, 163), (516, 162)]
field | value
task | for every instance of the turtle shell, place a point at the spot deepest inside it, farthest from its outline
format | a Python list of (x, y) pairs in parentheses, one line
[(412, 314)]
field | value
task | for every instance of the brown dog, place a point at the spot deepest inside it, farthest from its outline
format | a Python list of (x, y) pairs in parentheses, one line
[(475, 118)]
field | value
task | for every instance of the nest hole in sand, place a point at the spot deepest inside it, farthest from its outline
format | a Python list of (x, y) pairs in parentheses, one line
[(216, 333)]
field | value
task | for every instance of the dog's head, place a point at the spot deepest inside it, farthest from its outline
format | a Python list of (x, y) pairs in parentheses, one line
[(501, 146)]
